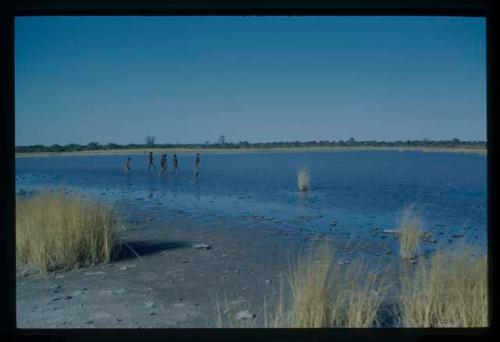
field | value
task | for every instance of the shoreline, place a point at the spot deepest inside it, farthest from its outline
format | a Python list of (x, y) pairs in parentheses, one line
[(171, 285), (480, 151)]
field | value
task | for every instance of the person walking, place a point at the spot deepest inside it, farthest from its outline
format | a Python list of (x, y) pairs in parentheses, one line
[(197, 164), (151, 164), (127, 165), (176, 164), (163, 164)]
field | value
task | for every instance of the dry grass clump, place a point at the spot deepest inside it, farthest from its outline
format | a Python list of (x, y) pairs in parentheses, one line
[(410, 231), (326, 294), (58, 231), (449, 290), (304, 180)]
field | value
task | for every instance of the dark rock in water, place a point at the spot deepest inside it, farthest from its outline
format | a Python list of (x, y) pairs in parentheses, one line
[(334, 223), (458, 235)]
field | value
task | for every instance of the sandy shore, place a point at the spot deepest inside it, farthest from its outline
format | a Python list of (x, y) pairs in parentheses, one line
[(172, 284), (480, 151)]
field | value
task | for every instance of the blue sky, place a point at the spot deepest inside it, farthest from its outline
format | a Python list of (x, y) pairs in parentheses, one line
[(191, 79)]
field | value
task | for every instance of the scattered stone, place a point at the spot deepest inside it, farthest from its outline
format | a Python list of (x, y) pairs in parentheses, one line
[(333, 224), (201, 246), (268, 281), (458, 235), (391, 231), (245, 314), (150, 305), (126, 267)]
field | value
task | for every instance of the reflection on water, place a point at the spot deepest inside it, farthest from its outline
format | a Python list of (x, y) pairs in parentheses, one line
[(359, 190)]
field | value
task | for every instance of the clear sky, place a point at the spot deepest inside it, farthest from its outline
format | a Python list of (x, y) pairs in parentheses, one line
[(191, 79)]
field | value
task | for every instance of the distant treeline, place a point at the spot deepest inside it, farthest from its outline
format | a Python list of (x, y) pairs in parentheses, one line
[(93, 146)]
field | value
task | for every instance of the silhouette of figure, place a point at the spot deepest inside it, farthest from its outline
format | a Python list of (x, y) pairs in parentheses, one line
[(151, 165), (197, 164), (163, 164), (127, 165), (176, 164)]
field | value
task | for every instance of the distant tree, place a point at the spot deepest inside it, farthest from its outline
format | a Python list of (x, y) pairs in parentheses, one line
[(93, 146), (56, 148), (222, 140), (351, 141), (150, 141)]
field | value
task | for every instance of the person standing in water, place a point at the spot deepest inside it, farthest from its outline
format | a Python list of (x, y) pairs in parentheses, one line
[(176, 164), (163, 164), (197, 164), (151, 165), (127, 165)]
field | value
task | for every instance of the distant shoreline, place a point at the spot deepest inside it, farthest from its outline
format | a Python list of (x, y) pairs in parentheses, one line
[(480, 151)]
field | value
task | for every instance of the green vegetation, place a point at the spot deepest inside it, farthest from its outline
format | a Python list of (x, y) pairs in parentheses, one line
[(57, 231), (222, 143)]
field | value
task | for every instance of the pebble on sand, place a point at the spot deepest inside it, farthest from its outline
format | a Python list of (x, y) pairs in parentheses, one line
[(201, 246), (245, 314)]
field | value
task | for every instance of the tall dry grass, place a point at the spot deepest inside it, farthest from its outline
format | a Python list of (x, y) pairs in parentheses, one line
[(323, 293), (304, 179), (449, 290), (58, 231), (410, 232)]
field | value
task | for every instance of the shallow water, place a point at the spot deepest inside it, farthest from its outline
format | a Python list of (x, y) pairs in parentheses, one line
[(359, 190)]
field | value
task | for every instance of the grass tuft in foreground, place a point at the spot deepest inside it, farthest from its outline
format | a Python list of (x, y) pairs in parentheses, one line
[(326, 294), (58, 231), (410, 232), (304, 180), (449, 290)]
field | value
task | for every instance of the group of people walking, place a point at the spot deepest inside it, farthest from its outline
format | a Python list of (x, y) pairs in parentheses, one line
[(164, 164)]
